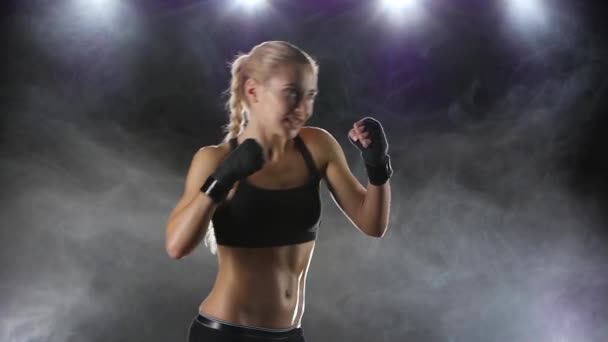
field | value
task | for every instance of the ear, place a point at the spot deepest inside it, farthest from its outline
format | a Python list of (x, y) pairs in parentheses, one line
[(251, 89)]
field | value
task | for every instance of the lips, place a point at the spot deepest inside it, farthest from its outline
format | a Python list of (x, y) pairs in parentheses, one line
[(293, 121)]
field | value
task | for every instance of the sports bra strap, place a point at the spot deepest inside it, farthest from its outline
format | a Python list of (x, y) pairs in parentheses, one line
[(307, 157)]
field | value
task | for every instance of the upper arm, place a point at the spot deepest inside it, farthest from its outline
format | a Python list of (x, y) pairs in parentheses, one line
[(346, 190), (203, 164)]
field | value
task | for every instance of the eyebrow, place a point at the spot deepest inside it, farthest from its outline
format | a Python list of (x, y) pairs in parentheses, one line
[(295, 85)]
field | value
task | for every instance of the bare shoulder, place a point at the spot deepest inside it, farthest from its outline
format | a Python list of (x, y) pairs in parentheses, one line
[(320, 142), (319, 138), (209, 153), (203, 163), (222, 149)]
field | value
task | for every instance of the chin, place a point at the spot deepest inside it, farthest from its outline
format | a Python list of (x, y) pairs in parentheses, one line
[(293, 132), (290, 132)]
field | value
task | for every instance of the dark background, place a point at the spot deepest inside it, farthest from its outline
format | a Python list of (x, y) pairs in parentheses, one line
[(497, 130)]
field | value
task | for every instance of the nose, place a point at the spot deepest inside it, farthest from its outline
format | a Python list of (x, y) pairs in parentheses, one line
[(295, 97), (299, 107)]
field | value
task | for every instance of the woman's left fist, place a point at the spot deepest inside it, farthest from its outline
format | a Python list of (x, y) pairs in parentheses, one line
[(368, 136)]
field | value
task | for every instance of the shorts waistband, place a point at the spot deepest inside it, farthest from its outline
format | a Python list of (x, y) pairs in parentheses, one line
[(222, 325)]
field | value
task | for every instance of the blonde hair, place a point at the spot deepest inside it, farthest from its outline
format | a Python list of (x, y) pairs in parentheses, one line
[(259, 65)]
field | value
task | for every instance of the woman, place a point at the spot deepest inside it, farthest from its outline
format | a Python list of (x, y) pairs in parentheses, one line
[(260, 189)]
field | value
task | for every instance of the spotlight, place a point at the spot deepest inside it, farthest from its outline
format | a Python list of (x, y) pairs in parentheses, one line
[(527, 13), (401, 12), (397, 4), (251, 3)]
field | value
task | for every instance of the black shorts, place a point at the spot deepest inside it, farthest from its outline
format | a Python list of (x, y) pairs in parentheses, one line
[(210, 329)]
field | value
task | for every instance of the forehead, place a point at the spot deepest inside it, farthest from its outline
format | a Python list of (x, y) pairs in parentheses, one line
[(301, 75)]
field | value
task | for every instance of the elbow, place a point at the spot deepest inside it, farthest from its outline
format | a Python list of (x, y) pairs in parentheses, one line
[(378, 233), (172, 249), (381, 235), (371, 231), (174, 252), (383, 232)]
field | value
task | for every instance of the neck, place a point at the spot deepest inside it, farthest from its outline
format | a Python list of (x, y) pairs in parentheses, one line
[(273, 144)]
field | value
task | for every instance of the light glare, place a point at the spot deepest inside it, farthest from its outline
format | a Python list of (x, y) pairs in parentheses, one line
[(397, 4), (251, 3), (527, 13)]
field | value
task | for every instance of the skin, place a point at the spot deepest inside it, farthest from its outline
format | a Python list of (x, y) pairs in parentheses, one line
[(265, 287)]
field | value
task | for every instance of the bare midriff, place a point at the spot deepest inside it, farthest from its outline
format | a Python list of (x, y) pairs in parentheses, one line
[(260, 287)]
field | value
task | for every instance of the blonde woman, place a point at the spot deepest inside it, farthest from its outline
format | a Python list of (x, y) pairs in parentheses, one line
[(260, 190)]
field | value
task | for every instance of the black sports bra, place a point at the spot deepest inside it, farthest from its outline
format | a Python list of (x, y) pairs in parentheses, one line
[(260, 217)]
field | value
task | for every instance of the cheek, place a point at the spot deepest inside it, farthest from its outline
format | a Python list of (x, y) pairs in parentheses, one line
[(310, 107), (279, 102), (275, 105)]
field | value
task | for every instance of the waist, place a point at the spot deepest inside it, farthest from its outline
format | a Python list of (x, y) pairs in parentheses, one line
[(259, 293), (261, 301), (253, 312), (239, 329)]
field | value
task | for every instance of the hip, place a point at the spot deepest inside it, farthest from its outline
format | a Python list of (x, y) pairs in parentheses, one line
[(211, 329), (253, 310)]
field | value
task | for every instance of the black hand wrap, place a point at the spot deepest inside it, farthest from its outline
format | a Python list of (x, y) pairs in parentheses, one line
[(381, 173), (375, 155), (246, 159), (215, 189)]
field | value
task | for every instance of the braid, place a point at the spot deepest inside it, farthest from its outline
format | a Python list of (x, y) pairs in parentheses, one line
[(235, 105), (234, 127)]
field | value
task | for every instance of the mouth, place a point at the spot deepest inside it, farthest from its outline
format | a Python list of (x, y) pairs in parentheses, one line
[(292, 121)]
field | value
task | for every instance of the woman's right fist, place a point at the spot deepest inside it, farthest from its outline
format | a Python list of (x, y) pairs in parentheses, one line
[(247, 158)]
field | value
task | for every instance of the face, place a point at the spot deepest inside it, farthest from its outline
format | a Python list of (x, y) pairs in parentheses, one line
[(285, 102)]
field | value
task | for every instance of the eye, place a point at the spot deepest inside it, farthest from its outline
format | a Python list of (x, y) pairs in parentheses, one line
[(294, 95)]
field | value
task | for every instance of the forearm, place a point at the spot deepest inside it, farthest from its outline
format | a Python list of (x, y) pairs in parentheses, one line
[(186, 228), (375, 209)]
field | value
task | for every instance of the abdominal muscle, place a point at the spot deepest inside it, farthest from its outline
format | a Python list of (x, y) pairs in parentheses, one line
[(260, 287)]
